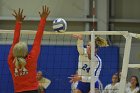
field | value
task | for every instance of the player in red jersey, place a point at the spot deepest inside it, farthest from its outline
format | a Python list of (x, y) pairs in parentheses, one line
[(23, 64)]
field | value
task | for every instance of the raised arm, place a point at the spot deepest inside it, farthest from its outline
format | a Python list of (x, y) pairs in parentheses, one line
[(19, 19), (37, 41), (80, 45)]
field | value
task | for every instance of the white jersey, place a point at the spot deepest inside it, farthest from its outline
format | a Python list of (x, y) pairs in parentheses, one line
[(84, 63), (112, 88), (128, 90)]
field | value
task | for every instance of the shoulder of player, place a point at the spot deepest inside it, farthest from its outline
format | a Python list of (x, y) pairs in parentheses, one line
[(117, 84), (97, 56), (31, 56), (108, 86)]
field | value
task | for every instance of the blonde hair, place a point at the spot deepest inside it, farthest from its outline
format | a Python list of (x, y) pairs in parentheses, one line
[(20, 51), (100, 42)]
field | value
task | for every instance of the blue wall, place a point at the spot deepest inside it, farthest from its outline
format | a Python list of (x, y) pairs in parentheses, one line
[(58, 63)]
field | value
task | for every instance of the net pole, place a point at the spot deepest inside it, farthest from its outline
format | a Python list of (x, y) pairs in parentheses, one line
[(125, 64), (92, 83), (94, 14)]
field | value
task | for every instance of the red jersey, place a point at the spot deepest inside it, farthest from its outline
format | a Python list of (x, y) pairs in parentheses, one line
[(27, 82)]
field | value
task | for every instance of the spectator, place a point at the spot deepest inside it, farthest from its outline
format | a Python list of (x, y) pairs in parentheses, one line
[(134, 85), (113, 87), (43, 82)]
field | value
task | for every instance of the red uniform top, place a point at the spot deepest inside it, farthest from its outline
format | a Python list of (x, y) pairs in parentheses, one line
[(27, 82)]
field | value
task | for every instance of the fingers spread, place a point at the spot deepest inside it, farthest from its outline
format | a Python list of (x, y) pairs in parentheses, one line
[(48, 12), (15, 13), (43, 8), (21, 11)]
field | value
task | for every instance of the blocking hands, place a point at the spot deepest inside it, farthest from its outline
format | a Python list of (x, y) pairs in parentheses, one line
[(45, 12), (19, 15)]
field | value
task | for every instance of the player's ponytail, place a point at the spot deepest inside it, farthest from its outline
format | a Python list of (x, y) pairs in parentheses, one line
[(20, 51), (100, 42)]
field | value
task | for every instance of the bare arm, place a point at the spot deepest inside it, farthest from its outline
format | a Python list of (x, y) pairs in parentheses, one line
[(80, 44)]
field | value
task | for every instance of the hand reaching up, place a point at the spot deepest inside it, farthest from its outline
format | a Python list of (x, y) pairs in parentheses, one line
[(78, 36), (18, 15), (45, 12)]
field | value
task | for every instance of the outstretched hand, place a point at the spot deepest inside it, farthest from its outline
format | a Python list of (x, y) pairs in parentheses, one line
[(45, 12), (78, 36), (18, 15), (75, 78)]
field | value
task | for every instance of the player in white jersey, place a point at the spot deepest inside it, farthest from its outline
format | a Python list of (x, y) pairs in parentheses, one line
[(134, 87), (84, 72), (114, 86)]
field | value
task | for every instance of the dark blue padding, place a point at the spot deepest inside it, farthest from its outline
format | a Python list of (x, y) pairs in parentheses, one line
[(57, 64), (110, 63)]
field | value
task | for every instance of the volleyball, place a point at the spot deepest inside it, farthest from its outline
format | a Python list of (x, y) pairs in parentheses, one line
[(59, 25)]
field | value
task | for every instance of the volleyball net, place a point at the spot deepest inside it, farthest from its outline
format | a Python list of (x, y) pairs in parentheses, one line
[(59, 58)]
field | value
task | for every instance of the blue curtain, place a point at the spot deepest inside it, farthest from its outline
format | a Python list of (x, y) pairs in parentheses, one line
[(57, 63)]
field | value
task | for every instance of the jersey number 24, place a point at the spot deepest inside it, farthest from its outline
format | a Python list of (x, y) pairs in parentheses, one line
[(86, 68)]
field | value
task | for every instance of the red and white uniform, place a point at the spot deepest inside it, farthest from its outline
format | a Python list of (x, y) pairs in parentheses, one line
[(27, 82)]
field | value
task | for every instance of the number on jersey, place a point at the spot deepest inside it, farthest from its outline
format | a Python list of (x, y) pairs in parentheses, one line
[(86, 68)]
